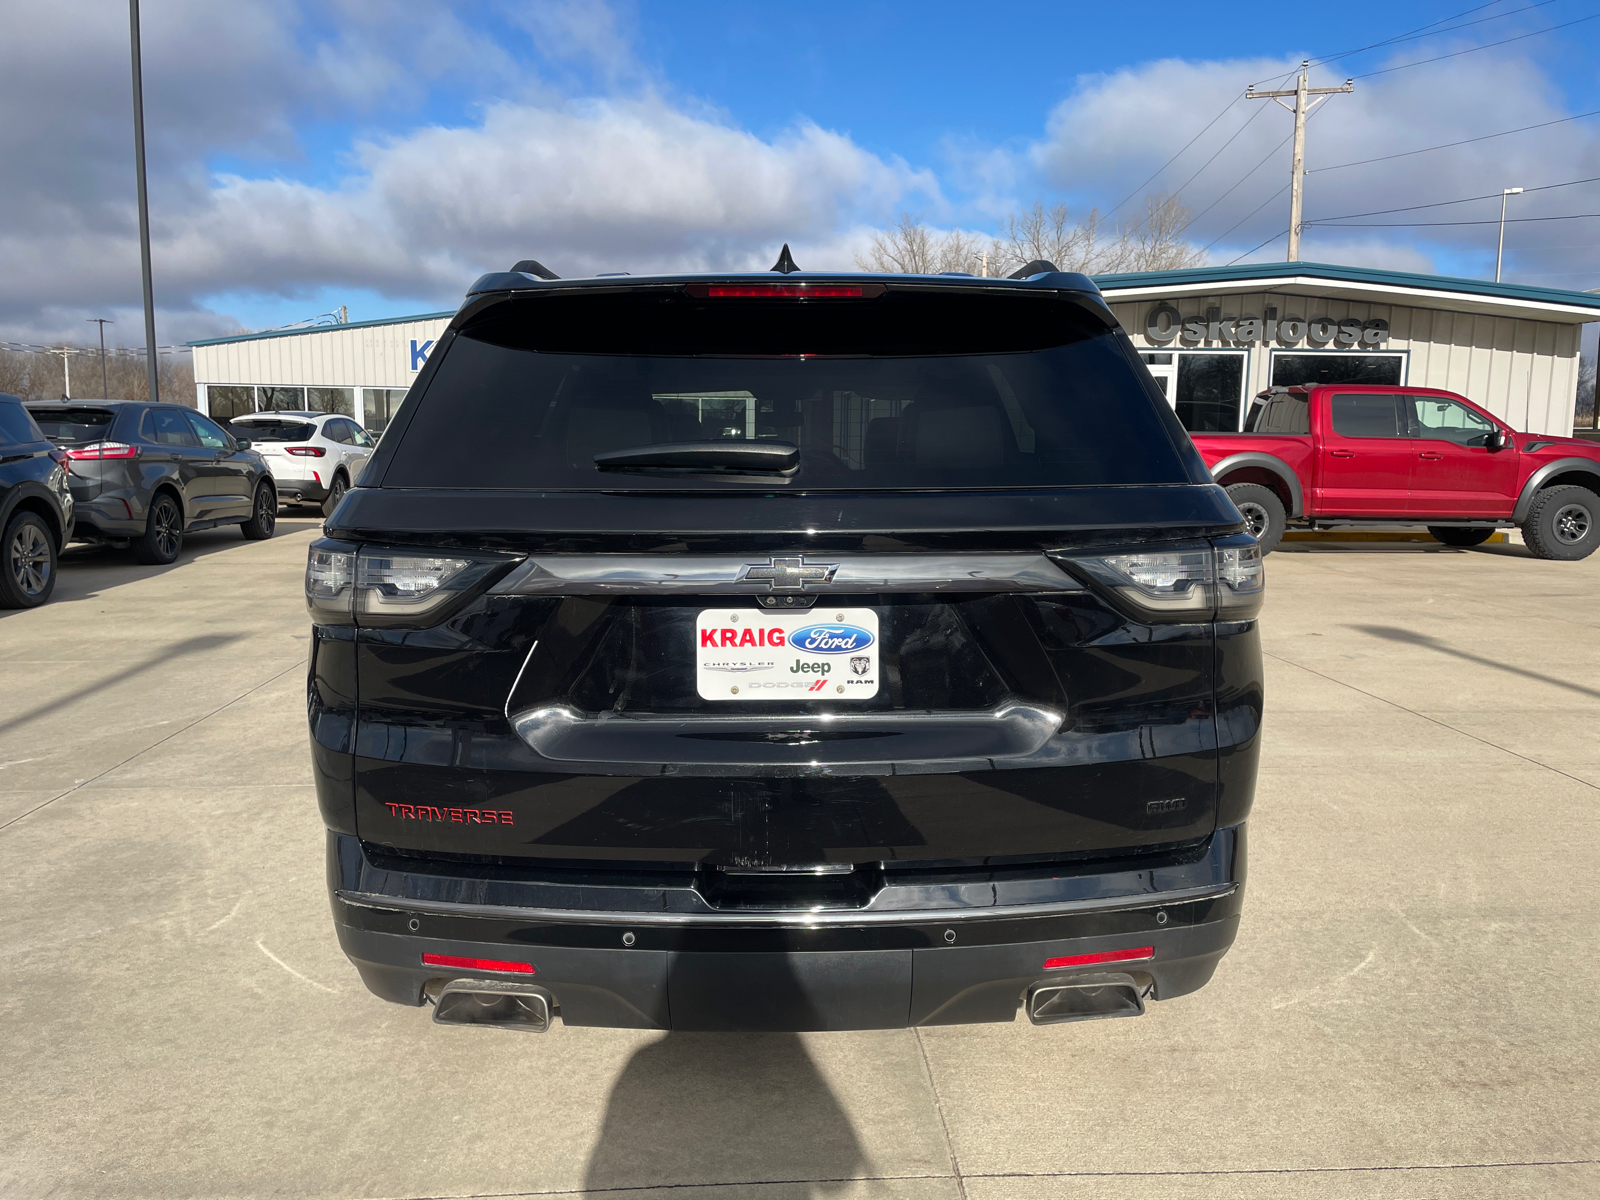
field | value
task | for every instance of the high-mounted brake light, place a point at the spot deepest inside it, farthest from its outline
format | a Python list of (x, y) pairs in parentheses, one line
[(307, 451), (1108, 956), (99, 450), (476, 964), (785, 291)]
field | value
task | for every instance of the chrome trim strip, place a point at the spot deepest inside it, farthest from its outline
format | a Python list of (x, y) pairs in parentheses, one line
[(800, 919), (723, 574), (562, 733)]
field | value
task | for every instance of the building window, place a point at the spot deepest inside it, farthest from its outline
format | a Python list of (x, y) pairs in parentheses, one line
[(379, 407), (1337, 366), (1204, 387), (225, 402), (281, 399), (332, 400)]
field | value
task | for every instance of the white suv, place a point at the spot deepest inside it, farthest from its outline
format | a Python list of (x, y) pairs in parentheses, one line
[(313, 456)]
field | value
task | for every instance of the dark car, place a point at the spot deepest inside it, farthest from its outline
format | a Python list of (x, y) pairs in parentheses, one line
[(784, 652), (146, 474), (35, 508)]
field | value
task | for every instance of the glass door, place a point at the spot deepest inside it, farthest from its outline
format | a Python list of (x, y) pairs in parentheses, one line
[(1164, 370)]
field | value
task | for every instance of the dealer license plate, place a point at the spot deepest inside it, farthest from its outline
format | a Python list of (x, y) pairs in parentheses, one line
[(754, 654)]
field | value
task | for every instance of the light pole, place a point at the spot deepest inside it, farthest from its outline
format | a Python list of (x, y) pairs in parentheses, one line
[(105, 388), (1501, 250), (144, 204)]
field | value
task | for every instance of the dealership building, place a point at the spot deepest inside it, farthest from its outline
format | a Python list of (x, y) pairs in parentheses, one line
[(1212, 338)]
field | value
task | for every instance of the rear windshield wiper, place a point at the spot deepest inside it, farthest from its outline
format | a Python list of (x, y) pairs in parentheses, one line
[(743, 457)]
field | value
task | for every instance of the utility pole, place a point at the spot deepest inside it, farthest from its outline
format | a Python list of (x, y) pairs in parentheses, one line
[(66, 352), (105, 388), (1501, 249), (1301, 93), (144, 205)]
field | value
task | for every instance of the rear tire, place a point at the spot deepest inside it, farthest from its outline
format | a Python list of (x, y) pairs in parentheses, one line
[(163, 532), (27, 562), (263, 514), (1458, 535), (336, 492), (1263, 513), (1562, 524)]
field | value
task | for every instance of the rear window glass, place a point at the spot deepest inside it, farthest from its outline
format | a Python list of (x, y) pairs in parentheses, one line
[(16, 427), (74, 424), (1280, 414), (976, 392), (273, 431)]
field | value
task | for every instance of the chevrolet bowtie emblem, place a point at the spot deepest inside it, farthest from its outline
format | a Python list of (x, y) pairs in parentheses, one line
[(789, 574)]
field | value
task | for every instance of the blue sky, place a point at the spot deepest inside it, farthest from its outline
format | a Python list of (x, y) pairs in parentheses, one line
[(379, 155)]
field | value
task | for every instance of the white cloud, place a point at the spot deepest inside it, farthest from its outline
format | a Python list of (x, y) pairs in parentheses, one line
[(1117, 129)]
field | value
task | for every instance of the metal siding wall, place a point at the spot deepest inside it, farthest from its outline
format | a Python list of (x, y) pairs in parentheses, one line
[(1524, 371), (366, 356)]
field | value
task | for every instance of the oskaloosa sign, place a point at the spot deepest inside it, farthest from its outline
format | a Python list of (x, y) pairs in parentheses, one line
[(1166, 325)]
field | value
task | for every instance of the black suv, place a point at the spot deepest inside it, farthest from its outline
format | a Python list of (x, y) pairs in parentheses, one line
[(784, 652), (146, 474), (35, 508)]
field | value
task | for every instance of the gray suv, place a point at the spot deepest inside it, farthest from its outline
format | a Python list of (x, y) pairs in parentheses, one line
[(145, 474)]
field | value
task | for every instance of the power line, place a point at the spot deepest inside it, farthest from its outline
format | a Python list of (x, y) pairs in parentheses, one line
[(1474, 49), (1176, 156), (1463, 142), (1246, 217), (1419, 224), (1426, 31), (1383, 212), (1253, 249)]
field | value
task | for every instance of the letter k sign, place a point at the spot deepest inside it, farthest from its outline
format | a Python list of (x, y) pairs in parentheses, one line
[(419, 354)]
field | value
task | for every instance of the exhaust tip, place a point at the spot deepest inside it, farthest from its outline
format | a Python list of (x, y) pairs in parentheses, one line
[(1085, 998), (493, 1002)]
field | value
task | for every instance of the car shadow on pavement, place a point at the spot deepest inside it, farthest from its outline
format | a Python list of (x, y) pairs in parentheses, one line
[(86, 569), (195, 645), (720, 1109), (1412, 638)]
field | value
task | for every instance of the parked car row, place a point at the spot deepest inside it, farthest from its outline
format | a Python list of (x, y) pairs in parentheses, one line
[(143, 475)]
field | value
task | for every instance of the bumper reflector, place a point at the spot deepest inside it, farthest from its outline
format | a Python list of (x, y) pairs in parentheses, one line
[(1108, 956), (476, 964)]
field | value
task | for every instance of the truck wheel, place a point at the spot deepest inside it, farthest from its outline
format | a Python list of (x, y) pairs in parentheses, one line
[(1458, 535), (27, 562), (1263, 513), (1562, 523)]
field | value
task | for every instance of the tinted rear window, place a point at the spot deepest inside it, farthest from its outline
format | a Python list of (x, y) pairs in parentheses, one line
[(273, 431), (16, 427), (1280, 414), (74, 424), (1367, 416), (901, 392)]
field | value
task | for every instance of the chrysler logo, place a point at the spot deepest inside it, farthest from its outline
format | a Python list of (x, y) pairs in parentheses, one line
[(789, 574)]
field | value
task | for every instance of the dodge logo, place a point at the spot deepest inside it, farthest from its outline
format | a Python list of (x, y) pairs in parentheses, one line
[(788, 574)]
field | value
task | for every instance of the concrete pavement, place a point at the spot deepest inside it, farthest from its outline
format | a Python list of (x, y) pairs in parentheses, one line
[(1409, 1010)]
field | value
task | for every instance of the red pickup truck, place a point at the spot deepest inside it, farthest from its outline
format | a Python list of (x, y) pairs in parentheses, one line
[(1367, 455)]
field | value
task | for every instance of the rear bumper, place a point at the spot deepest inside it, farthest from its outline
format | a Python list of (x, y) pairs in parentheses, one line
[(962, 956), (108, 517), (294, 485)]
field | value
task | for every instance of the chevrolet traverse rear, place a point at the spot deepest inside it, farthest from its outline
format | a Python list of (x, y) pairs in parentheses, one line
[(784, 652)]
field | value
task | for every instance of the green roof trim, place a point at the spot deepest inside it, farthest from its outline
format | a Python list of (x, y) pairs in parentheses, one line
[(1368, 275), (274, 333)]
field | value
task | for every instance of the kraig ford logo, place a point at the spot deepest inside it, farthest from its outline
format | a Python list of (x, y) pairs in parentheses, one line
[(830, 639)]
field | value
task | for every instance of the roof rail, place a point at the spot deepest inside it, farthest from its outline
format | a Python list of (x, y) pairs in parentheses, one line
[(531, 266)]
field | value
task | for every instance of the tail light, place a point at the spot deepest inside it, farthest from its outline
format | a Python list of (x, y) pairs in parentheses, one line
[(399, 588), (1224, 581), (785, 291), (103, 450), (307, 451), (1135, 954), (458, 963)]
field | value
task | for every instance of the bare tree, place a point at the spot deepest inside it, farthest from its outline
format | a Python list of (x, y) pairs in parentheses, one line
[(1153, 243), (38, 375)]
